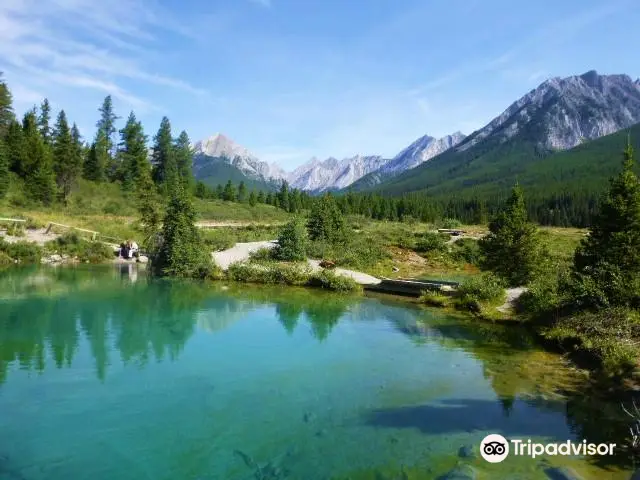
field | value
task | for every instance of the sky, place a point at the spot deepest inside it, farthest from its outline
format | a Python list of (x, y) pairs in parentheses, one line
[(293, 79)]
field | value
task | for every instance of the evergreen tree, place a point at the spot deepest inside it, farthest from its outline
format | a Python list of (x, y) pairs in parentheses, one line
[(6, 108), (78, 148), (292, 241), (107, 124), (184, 159), (40, 179), (261, 197), (16, 149), (606, 268), (283, 196), (148, 203), (512, 248), (229, 193), (98, 160), (326, 221), (44, 120), (201, 190), (242, 192), (253, 199), (219, 191), (269, 199), (132, 153), (66, 161), (4, 169), (165, 168), (181, 251)]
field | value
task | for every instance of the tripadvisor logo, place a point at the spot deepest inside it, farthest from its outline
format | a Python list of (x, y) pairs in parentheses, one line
[(495, 448)]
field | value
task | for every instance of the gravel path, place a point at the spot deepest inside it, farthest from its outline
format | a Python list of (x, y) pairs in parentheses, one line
[(359, 277), (512, 295), (242, 251), (239, 252), (38, 236)]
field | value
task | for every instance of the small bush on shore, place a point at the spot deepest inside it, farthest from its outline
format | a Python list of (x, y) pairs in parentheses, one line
[(611, 335), (75, 246), (434, 299), (269, 272), (22, 252), (485, 289), (331, 281), (450, 223)]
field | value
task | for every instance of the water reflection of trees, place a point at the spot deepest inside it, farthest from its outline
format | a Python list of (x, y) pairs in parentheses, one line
[(47, 314), (520, 371)]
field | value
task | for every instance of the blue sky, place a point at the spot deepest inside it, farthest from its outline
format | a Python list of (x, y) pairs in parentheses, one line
[(292, 79)]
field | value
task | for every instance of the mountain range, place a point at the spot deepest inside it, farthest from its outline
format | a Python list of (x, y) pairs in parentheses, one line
[(559, 114)]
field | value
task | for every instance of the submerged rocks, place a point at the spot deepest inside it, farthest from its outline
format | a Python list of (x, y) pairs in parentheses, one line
[(466, 451), (562, 473), (461, 472)]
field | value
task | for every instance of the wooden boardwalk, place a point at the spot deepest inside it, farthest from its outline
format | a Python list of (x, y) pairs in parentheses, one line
[(412, 288)]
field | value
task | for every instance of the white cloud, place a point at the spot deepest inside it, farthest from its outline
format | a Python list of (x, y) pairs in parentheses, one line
[(88, 44)]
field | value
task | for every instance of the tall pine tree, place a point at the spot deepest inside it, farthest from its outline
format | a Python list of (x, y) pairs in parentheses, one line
[(607, 263), (184, 159), (106, 133), (40, 179), (6, 108), (16, 149), (43, 121), (4, 169), (66, 161), (133, 153), (97, 162), (165, 169)]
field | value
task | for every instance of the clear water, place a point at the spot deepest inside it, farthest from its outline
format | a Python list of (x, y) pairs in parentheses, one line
[(106, 375)]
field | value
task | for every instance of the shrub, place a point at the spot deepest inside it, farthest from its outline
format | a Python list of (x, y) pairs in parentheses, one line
[(326, 221), (466, 250), (278, 273), (73, 245), (292, 242), (544, 295), (15, 229), (262, 255), (450, 223), (610, 335), (432, 242), (22, 252), (478, 290), (433, 299), (112, 208), (331, 281)]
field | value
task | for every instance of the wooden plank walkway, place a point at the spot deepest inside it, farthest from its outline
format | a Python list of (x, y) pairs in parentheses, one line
[(413, 288)]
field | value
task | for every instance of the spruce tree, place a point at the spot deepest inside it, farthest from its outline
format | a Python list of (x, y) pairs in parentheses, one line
[(4, 169), (44, 120), (512, 248), (66, 162), (229, 193), (261, 197), (133, 153), (165, 168), (184, 159), (97, 162), (242, 192), (253, 199), (181, 252), (78, 147), (107, 124), (40, 178), (6, 108), (326, 221), (606, 270), (283, 196), (292, 241), (16, 149), (148, 203)]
